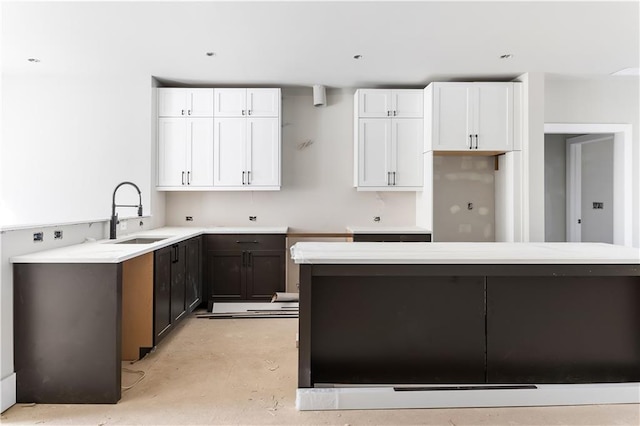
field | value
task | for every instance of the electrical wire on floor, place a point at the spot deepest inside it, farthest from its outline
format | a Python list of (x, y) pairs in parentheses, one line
[(140, 372)]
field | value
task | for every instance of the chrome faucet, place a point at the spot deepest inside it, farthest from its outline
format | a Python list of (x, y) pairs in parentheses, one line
[(114, 215)]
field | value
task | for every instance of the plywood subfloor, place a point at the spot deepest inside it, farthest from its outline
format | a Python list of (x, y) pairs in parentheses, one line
[(244, 372)]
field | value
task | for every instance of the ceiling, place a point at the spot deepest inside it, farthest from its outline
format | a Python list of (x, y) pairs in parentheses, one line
[(301, 43)]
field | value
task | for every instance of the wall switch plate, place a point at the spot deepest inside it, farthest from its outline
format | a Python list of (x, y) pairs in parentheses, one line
[(57, 235), (189, 218), (38, 237), (253, 218), (123, 225)]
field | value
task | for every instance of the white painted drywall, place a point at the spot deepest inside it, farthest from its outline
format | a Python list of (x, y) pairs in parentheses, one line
[(555, 198), (613, 100), (597, 186), (458, 182), (317, 180)]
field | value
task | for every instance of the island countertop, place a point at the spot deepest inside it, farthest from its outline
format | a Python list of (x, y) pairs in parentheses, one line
[(116, 251), (463, 253)]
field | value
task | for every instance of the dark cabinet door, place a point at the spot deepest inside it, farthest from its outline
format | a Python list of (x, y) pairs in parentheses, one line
[(226, 278), (193, 280), (178, 299), (162, 293), (265, 274)]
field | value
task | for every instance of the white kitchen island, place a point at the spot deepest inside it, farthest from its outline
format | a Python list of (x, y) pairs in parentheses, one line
[(416, 325)]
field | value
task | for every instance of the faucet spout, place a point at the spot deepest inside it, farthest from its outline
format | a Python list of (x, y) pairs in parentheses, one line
[(114, 215)]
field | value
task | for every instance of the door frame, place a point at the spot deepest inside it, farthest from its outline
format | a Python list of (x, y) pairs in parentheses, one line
[(574, 183), (622, 171)]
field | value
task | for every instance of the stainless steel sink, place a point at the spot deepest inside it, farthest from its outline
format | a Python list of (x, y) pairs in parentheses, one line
[(141, 240)]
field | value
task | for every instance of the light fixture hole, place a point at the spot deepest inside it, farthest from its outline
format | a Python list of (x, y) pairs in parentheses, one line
[(34, 60)]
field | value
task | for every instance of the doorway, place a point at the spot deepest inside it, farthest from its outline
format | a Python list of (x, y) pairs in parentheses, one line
[(620, 176)]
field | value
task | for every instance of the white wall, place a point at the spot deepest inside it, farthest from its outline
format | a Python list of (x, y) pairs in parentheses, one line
[(597, 186), (317, 182), (614, 100), (555, 183)]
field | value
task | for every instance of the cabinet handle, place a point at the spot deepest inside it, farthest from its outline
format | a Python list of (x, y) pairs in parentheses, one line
[(189, 112), (249, 177), (246, 242), (476, 141), (388, 113), (188, 178), (183, 178), (248, 112), (243, 112), (395, 113), (249, 256), (470, 141), (244, 262), (182, 112), (388, 178), (243, 178), (394, 178)]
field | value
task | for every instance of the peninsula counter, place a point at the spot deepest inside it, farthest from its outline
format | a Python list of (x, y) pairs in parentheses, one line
[(389, 325)]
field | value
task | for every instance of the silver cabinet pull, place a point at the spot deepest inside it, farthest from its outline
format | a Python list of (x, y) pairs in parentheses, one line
[(182, 112), (243, 112), (470, 141), (249, 177), (476, 141), (243, 178), (248, 112), (188, 178), (388, 178), (183, 178), (388, 113), (394, 178), (189, 112), (395, 113)]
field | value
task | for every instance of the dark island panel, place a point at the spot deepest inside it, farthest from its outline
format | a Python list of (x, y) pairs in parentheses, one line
[(563, 329), (68, 332), (370, 329)]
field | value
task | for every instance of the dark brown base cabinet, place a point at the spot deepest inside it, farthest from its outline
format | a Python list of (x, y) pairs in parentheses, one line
[(177, 281), (244, 267)]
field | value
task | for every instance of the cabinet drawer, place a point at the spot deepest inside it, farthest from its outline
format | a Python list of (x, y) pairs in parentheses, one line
[(382, 238), (245, 242)]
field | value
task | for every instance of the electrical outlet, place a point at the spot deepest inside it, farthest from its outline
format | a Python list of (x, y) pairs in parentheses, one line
[(123, 225), (189, 218), (253, 218), (376, 219), (38, 237), (57, 235)]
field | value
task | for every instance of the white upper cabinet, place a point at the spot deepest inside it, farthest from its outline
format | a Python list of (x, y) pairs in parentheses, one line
[(388, 140), (247, 153), (379, 103), (179, 102), (247, 102), (185, 152), (470, 117)]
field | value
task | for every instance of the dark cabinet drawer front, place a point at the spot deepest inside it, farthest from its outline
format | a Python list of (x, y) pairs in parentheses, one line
[(245, 242), (382, 238)]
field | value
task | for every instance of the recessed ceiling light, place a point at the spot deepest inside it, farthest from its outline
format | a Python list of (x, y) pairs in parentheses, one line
[(357, 56), (34, 60), (211, 53), (506, 56), (627, 71)]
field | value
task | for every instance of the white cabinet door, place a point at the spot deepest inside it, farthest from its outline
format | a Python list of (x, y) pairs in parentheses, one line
[(374, 152), (452, 117), (230, 102), (263, 102), (493, 116), (407, 103), (229, 139), (178, 102), (374, 103), (200, 152), (407, 160), (263, 152), (199, 102), (172, 158)]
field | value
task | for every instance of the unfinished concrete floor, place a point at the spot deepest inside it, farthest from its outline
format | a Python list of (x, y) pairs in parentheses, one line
[(244, 371)]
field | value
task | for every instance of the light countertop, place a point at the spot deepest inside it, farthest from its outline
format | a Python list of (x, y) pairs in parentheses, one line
[(463, 253), (105, 251), (387, 230)]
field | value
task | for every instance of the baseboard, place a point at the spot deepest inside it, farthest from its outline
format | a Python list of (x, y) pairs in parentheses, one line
[(385, 397), (8, 392)]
